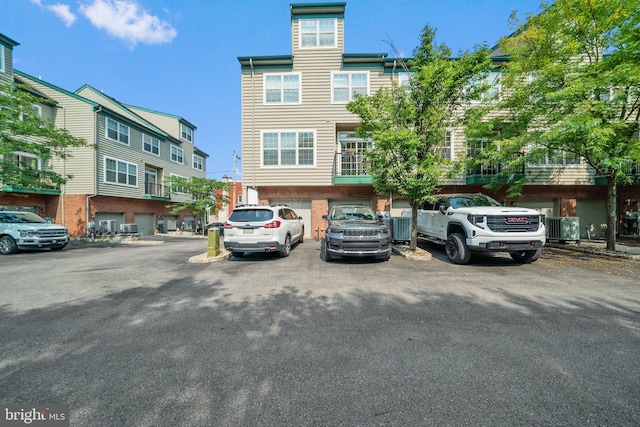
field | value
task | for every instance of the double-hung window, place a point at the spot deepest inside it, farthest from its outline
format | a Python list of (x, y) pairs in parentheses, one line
[(490, 83), (175, 187), (116, 131), (446, 149), (198, 163), (288, 148), (346, 86), (151, 144), (282, 88), (186, 132), (120, 172), (318, 33), (177, 154)]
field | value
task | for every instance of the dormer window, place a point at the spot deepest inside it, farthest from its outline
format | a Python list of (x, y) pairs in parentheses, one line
[(186, 133), (318, 33)]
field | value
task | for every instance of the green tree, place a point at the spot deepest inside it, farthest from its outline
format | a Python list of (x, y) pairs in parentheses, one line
[(205, 194), (408, 123), (571, 88), (23, 130)]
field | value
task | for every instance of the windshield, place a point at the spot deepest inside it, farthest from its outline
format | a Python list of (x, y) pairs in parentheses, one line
[(352, 212), (472, 200), (247, 215), (20, 218)]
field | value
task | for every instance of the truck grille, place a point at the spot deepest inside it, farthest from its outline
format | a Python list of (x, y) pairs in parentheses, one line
[(361, 233), (513, 223), (52, 233), (354, 246)]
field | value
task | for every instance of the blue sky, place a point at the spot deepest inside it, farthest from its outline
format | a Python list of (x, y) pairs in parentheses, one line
[(180, 56)]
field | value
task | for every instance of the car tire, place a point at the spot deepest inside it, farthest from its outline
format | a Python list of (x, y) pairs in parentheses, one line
[(237, 254), (457, 250), (8, 245), (525, 257), (325, 255), (286, 248)]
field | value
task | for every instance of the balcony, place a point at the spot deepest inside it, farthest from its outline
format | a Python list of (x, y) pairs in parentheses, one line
[(350, 168), (153, 191), (34, 181), (504, 174), (632, 170)]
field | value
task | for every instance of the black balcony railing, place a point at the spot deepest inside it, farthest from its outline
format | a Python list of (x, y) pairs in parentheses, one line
[(153, 189), (33, 179)]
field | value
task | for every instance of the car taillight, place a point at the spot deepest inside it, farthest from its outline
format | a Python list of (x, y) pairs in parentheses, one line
[(273, 224), (227, 226)]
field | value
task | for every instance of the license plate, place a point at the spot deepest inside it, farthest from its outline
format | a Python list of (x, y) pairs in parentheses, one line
[(250, 231)]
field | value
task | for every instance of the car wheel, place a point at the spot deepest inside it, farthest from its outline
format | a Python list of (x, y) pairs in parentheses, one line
[(324, 251), (457, 249), (524, 257), (8, 245), (237, 254), (286, 249), (58, 248)]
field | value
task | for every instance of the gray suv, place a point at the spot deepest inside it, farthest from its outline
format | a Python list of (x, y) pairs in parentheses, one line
[(256, 228), (354, 231)]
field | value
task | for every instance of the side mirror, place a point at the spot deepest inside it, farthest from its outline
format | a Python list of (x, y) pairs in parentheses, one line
[(300, 218), (325, 217), (443, 210)]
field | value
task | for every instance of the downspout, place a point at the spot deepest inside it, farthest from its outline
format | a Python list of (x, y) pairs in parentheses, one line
[(94, 168), (253, 128)]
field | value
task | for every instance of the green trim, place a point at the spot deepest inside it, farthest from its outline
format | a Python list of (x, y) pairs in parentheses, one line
[(266, 62), (486, 179), (602, 180), (48, 191), (150, 197), (198, 151), (7, 41), (352, 179), (318, 16), (57, 88), (317, 10)]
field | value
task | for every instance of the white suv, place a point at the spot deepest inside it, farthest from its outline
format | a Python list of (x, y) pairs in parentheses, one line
[(254, 228)]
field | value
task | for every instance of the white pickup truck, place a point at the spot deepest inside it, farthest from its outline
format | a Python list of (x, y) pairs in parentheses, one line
[(26, 230), (475, 222)]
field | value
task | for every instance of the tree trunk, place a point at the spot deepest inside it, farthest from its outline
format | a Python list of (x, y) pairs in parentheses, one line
[(414, 227), (612, 216)]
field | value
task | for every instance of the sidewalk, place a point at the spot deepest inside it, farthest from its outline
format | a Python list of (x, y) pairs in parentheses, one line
[(626, 247)]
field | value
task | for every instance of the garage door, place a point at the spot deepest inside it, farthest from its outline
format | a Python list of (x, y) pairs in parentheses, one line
[(593, 216), (397, 206), (302, 208), (547, 207), (146, 223), (118, 217)]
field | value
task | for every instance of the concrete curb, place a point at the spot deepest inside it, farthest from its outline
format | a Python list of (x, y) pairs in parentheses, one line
[(593, 251), (203, 259), (419, 255), (122, 240)]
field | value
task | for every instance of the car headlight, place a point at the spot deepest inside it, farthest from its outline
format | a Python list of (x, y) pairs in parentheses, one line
[(477, 220), (27, 233)]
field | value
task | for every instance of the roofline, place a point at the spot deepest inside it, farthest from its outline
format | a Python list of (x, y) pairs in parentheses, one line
[(7, 40), (57, 88), (180, 119), (317, 9), (273, 61)]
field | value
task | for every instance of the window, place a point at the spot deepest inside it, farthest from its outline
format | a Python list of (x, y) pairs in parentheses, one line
[(446, 149), (120, 172), (197, 162), (117, 131), (186, 132), (560, 158), (2, 66), (288, 148), (176, 188), (151, 144), (282, 88), (491, 81), (318, 33), (345, 86), (403, 78), (27, 161), (177, 154), (353, 151)]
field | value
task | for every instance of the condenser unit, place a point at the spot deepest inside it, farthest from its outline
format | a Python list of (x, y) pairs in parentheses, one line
[(401, 229), (129, 228), (107, 226), (563, 229)]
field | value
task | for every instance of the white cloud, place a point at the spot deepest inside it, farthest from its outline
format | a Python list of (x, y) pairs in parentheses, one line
[(64, 13), (128, 21)]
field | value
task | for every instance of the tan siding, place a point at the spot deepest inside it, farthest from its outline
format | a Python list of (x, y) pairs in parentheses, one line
[(168, 124)]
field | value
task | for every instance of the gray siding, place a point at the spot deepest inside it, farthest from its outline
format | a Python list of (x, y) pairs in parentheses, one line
[(7, 76)]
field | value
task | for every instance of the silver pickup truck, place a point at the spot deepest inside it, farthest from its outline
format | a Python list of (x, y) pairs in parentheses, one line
[(26, 230), (467, 223)]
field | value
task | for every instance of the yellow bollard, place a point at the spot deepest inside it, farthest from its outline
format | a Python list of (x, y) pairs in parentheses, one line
[(213, 242)]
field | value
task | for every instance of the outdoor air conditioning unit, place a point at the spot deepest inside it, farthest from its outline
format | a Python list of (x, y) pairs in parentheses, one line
[(189, 225), (129, 228), (563, 229), (107, 226), (401, 229)]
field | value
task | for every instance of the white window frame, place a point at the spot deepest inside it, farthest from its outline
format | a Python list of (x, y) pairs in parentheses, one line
[(120, 127), (545, 162), (153, 142), (3, 66), (350, 88), (171, 183), (449, 134), (180, 150), (197, 160), (30, 156), (187, 132), (497, 85), (118, 161), (282, 89), (317, 44), (280, 149), (403, 78)]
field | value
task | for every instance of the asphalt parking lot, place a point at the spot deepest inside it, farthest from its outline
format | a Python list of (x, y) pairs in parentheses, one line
[(135, 335)]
